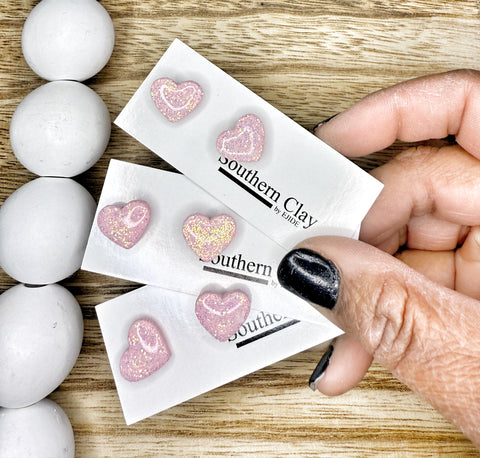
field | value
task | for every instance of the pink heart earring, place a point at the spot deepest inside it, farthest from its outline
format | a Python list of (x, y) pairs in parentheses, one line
[(126, 224), (222, 315), (175, 101), (147, 351), (208, 237), (245, 142)]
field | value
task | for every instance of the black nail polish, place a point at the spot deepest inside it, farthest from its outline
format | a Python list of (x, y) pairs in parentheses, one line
[(321, 368), (321, 123), (310, 276)]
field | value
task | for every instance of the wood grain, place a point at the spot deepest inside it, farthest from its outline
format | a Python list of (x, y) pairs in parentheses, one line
[(310, 59)]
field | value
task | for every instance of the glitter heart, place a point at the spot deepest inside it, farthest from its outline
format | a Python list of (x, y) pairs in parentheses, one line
[(220, 315), (147, 351), (245, 142), (208, 237), (124, 225), (175, 101)]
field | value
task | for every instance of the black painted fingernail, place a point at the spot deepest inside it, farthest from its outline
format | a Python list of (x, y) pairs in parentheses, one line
[(310, 276), (321, 368), (321, 123)]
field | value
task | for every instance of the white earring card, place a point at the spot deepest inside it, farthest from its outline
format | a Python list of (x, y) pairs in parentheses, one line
[(162, 256), (246, 153), (197, 362)]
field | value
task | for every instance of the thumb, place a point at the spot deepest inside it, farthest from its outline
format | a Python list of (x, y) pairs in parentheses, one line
[(425, 334)]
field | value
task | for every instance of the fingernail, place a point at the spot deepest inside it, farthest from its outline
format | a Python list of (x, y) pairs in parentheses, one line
[(321, 123), (320, 369), (310, 276)]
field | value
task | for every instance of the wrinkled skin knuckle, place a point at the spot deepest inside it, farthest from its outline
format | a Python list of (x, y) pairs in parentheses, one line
[(391, 331)]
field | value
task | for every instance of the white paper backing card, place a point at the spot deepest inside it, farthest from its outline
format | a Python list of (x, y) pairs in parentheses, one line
[(305, 182), (163, 258), (198, 362)]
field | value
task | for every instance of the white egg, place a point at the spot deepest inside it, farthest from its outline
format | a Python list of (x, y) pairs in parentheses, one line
[(68, 39), (44, 227), (60, 129), (41, 332), (42, 430)]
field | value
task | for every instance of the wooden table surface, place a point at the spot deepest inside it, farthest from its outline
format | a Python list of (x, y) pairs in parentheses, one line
[(310, 59)]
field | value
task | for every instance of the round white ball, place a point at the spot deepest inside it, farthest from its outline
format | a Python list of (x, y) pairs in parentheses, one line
[(44, 227), (41, 332), (60, 129), (68, 39), (42, 430)]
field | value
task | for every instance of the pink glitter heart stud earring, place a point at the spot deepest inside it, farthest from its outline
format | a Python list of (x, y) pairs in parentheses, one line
[(208, 237), (147, 351), (245, 142), (175, 101), (124, 225), (222, 315)]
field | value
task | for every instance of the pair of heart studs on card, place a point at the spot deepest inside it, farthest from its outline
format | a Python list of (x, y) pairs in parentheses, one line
[(126, 224), (221, 315), (148, 351), (243, 143)]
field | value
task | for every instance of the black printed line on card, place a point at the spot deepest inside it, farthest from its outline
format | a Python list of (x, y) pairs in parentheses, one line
[(267, 333), (244, 186), (235, 275)]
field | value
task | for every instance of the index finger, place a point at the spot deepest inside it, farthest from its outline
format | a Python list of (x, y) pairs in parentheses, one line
[(430, 107)]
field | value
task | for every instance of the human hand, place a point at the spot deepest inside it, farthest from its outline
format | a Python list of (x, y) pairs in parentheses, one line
[(420, 318)]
